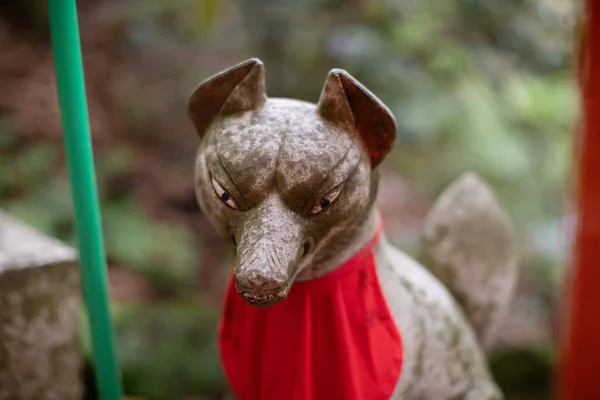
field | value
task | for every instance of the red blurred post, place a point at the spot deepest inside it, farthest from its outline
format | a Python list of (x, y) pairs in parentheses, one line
[(580, 370)]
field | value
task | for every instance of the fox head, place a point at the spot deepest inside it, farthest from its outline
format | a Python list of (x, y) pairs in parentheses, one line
[(289, 183)]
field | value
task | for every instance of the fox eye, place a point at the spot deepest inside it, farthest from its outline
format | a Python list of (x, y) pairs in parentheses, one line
[(224, 195), (326, 201)]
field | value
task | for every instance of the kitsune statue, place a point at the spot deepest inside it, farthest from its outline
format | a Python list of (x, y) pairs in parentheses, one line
[(320, 306)]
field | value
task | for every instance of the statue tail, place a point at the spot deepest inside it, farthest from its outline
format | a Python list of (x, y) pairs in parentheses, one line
[(469, 245)]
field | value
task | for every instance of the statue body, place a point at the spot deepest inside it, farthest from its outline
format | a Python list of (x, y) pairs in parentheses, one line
[(292, 186)]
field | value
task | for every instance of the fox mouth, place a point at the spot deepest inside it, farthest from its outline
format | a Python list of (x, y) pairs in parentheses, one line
[(263, 299), (266, 269)]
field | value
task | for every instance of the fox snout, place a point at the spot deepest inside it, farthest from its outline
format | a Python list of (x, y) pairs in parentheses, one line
[(271, 245), (263, 282), (251, 280), (265, 273)]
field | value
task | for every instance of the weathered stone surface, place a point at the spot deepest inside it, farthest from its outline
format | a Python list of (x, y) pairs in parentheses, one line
[(468, 244), (39, 301)]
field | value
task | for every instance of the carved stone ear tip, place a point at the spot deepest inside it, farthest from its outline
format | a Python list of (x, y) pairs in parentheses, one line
[(345, 78), (341, 75), (250, 63), (255, 60), (247, 65), (237, 89), (338, 71)]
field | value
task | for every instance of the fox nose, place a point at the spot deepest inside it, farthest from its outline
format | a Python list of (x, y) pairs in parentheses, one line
[(259, 281)]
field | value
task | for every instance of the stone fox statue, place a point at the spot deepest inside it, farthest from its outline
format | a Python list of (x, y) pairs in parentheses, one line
[(320, 306)]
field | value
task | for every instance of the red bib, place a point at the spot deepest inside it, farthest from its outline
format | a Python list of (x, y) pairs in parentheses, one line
[(331, 338)]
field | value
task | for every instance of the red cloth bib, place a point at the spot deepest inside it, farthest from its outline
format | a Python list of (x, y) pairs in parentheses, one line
[(332, 338)]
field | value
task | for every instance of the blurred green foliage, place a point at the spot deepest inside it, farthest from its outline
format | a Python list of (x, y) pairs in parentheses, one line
[(524, 374), (484, 85), (166, 350), (165, 253), (157, 333)]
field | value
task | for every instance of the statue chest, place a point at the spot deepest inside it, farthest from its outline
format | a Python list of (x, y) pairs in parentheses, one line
[(331, 338)]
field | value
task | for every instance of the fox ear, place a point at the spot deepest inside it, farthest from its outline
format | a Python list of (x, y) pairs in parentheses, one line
[(236, 90), (347, 103)]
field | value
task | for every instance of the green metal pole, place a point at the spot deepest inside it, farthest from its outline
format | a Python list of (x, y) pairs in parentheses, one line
[(80, 161)]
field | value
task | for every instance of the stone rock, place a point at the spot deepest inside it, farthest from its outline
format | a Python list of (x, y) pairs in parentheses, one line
[(39, 304)]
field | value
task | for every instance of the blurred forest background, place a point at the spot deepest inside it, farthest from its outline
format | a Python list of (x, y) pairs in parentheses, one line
[(486, 85)]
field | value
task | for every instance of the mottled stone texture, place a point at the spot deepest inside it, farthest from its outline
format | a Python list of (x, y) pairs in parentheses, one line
[(469, 245), (39, 301)]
